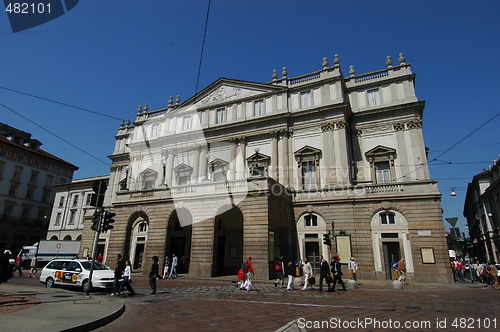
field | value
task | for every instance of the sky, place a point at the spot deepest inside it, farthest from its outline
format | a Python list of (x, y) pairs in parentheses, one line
[(109, 56)]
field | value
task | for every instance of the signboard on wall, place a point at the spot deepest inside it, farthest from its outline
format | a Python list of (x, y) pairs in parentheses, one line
[(343, 243)]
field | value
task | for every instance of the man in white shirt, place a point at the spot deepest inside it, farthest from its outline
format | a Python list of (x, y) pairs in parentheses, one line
[(173, 270)]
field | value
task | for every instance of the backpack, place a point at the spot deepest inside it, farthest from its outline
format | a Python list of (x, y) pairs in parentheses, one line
[(278, 267), (244, 267)]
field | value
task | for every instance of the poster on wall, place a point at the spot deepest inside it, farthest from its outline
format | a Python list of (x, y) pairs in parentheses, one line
[(343, 243), (427, 255)]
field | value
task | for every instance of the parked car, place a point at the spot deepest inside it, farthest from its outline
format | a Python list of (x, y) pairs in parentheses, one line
[(75, 273)]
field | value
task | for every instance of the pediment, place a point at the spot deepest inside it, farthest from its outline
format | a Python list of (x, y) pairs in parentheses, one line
[(380, 150), (183, 168), (260, 157), (307, 151), (225, 91)]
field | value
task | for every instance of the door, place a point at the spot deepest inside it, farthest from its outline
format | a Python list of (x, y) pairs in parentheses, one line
[(138, 256), (312, 254), (391, 254)]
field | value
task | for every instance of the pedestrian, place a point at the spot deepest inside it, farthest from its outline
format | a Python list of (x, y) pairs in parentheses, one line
[(353, 269), (153, 275), (308, 274), (402, 270), (241, 278), (119, 267), (279, 268), (478, 269), (494, 275), (461, 270), (337, 274), (33, 267), (127, 279), (248, 274), (166, 268), (19, 262), (324, 272), (100, 258), (290, 271), (173, 270)]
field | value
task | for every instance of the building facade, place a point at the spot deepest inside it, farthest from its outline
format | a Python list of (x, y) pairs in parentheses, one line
[(27, 178), (267, 169), (72, 205), (482, 211)]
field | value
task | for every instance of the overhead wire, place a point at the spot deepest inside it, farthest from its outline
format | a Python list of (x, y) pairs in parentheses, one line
[(54, 134)]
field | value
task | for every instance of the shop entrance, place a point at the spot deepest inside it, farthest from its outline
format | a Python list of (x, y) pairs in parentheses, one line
[(391, 254)]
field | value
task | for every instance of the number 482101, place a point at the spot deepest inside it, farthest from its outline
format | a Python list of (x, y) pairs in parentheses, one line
[(27, 8)]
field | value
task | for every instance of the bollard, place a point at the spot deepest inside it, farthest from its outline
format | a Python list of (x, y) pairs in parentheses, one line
[(397, 285), (352, 284), (395, 274)]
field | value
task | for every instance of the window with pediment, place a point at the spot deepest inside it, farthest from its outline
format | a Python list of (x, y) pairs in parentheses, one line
[(148, 179), (381, 159), (308, 165), (183, 174), (258, 164), (218, 169)]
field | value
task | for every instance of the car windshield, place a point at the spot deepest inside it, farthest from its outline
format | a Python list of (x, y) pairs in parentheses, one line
[(97, 266)]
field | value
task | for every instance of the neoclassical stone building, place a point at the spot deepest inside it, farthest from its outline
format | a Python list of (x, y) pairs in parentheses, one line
[(266, 169)]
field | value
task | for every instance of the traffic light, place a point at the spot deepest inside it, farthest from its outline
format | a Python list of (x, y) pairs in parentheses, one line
[(107, 221), (96, 221), (327, 240)]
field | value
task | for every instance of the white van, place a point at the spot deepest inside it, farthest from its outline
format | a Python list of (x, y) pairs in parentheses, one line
[(27, 253)]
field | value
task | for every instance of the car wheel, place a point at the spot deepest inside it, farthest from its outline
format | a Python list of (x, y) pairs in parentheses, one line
[(85, 285), (49, 283)]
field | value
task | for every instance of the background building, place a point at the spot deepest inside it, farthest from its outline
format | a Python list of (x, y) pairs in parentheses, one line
[(482, 209), (266, 169), (27, 178), (71, 207)]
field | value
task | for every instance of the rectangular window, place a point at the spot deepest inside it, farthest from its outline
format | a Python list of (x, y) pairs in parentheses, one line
[(89, 198), (29, 192), (72, 218), (49, 179), (220, 115), (258, 108), (75, 200), (34, 177), (308, 175), (373, 97), (26, 213), (12, 190), (58, 219), (61, 202), (18, 170), (305, 99), (186, 122), (155, 130), (183, 180), (382, 172), (311, 221), (387, 218)]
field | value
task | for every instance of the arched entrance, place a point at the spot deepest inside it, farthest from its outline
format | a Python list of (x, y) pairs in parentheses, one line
[(138, 239), (228, 241), (179, 238), (310, 230)]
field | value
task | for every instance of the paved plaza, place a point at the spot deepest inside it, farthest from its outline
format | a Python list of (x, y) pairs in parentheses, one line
[(217, 304)]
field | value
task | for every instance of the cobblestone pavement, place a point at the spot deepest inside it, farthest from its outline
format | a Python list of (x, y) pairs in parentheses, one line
[(215, 305)]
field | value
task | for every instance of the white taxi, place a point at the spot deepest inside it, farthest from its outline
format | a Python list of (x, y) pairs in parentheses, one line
[(75, 273)]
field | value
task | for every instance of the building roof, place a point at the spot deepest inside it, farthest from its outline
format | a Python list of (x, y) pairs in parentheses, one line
[(40, 152)]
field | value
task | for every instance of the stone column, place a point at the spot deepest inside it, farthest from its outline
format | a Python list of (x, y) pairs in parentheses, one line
[(169, 176), (231, 172), (202, 170), (196, 164), (284, 167), (341, 153), (274, 156), (329, 175), (241, 158)]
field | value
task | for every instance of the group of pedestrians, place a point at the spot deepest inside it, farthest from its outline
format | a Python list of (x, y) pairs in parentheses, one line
[(123, 271), (325, 273), (480, 272), (245, 275), (170, 267)]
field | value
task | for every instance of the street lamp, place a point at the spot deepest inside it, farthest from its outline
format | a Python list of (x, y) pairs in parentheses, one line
[(453, 193)]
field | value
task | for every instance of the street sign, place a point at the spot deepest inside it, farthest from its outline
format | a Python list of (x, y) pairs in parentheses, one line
[(99, 187)]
